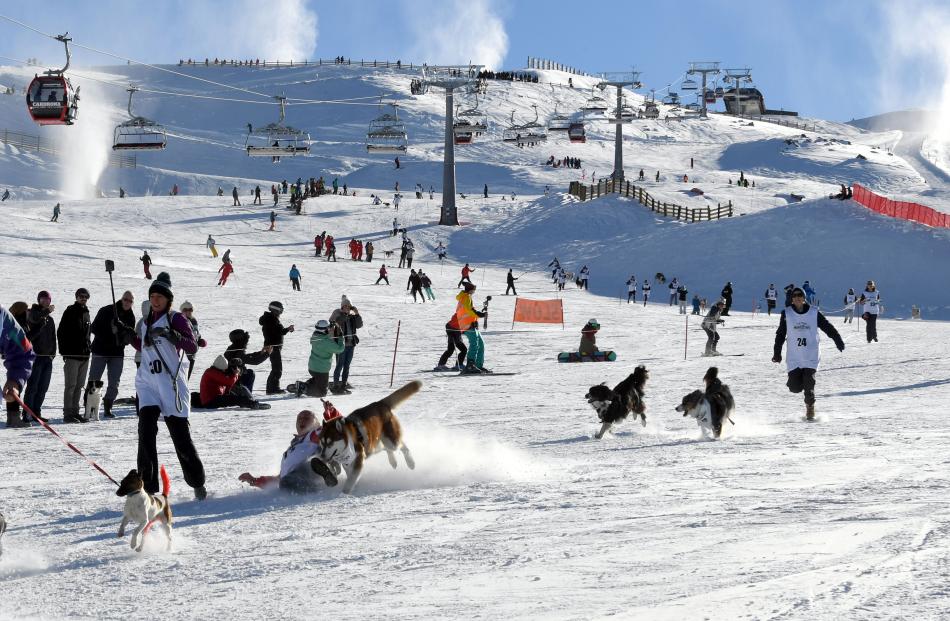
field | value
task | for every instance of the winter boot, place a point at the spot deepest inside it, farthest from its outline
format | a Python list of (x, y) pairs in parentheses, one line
[(107, 408), (809, 411), (201, 493), (321, 469), (14, 421)]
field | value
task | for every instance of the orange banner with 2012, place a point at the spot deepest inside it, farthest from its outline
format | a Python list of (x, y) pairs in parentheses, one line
[(539, 311)]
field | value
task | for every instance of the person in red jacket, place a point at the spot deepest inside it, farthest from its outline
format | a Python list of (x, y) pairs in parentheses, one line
[(225, 269), (466, 272), (382, 274), (327, 242), (317, 245), (217, 383)]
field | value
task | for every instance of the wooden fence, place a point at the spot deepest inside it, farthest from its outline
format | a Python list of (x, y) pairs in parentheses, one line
[(668, 210), (30, 142), (777, 120)]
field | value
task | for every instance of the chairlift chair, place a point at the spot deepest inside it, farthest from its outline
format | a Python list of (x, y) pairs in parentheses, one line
[(476, 119), (689, 84), (276, 140), (387, 134), (51, 98), (576, 132), (710, 96), (558, 122), (138, 133), (595, 104)]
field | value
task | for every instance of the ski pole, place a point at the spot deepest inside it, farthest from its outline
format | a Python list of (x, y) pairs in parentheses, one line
[(69, 444), (392, 374)]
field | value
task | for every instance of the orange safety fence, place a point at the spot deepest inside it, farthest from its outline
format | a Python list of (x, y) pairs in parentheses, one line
[(903, 210), (538, 311)]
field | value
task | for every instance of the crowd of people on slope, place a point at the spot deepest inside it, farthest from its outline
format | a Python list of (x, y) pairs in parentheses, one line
[(564, 162)]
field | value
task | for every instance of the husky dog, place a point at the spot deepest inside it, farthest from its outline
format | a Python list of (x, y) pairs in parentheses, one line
[(711, 408), (349, 441), (615, 405)]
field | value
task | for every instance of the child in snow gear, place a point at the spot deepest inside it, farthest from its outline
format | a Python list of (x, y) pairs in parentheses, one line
[(850, 299), (710, 324), (146, 263), (273, 220), (325, 343), (295, 277), (347, 320), (511, 283), (164, 337), (73, 336), (871, 302), (798, 327), (274, 332)]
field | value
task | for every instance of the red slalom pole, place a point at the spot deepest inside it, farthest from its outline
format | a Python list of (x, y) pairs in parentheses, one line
[(392, 374), (69, 444)]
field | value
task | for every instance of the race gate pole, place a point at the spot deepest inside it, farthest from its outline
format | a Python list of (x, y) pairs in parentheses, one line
[(392, 373), (686, 340)]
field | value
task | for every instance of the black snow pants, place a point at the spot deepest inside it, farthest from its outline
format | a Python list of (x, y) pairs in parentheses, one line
[(802, 380), (454, 336), (180, 432)]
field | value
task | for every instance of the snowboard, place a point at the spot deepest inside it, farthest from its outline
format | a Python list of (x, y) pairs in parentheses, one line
[(292, 390), (573, 356)]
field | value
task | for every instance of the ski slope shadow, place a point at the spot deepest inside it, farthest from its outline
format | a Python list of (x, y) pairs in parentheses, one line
[(877, 391)]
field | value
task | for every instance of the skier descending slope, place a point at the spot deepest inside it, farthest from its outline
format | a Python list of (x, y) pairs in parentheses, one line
[(799, 327)]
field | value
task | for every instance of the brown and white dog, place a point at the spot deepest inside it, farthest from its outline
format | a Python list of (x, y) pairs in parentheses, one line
[(615, 405), (370, 429), (144, 508)]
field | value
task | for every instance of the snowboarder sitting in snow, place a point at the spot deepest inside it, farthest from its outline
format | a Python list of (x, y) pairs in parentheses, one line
[(301, 470), (588, 346)]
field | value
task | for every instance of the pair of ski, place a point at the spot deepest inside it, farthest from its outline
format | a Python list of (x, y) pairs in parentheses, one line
[(455, 373)]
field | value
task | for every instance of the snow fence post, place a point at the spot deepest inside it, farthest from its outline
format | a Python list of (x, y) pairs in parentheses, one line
[(392, 373), (686, 340)]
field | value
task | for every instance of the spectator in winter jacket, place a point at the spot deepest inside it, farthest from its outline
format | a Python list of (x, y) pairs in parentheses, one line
[(347, 319), (18, 359), (238, 349), (674, 284), (809, 292), (632, 289), (583, 276), (188, 311), (234, 195), (588, 346), (73, 338), (647, 287), (410, 252), (112, 330), (218, 382), (383, 274), (415, 284), (369, 252), (274, 332), (146, 264), (681, 293), (798, 327), (164, 337), (710, 324), (727, 298), (41, 331), (273, 220), (295, 277), (317, 245), (325, 343)]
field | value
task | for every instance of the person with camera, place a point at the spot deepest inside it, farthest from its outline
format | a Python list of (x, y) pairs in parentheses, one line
[(220, 387), (347, 318), (238, 349)]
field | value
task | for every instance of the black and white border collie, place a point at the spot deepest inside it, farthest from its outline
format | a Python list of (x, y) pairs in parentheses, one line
[(615, 405), (712, 408)]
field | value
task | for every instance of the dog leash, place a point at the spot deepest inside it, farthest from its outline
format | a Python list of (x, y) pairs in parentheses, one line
[(64, 440)]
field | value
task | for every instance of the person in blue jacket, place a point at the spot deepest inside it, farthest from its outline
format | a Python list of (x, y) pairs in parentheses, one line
[(295, 277)]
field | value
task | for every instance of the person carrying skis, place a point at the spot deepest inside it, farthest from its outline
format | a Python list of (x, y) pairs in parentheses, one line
[(164, 337), (710, 324), (646, 291), (146, 264), (274, 332), (225, 269), (771, 297), (415, 284), (295, 277), (468, 324), (798, 327), (871, 302), (511, 278), (850, 299), (210, 245), (466, 273)]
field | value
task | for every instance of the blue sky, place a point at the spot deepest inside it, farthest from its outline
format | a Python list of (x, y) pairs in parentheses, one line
[(836, 59)]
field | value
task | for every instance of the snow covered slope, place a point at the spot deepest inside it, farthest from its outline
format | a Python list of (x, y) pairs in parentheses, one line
[(513, 510)]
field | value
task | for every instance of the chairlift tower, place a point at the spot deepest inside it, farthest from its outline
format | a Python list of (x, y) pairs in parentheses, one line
[(619, 79), (450, 78), (743, 74), (704, 68)]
